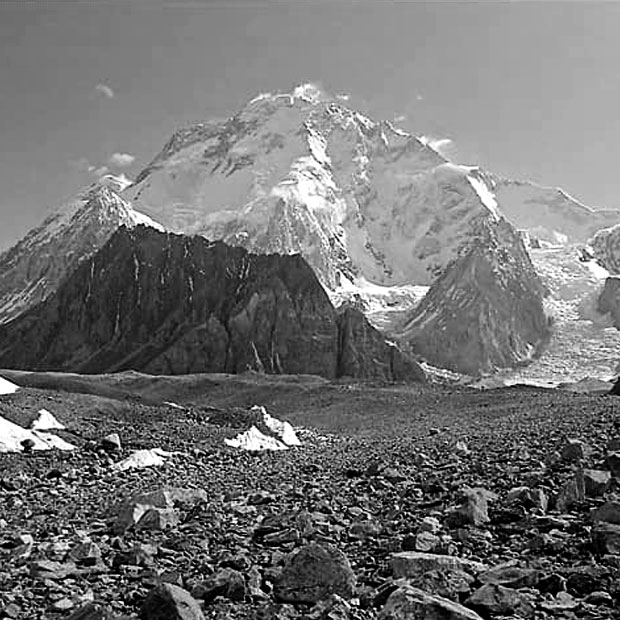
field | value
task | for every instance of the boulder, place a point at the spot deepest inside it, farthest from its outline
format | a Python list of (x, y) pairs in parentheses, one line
[(314, 572), (499, 600), (170, 602), (414, 563), (410, 603)]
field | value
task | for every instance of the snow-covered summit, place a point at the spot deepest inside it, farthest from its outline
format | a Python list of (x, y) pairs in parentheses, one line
[(32, 269), (301, 172)]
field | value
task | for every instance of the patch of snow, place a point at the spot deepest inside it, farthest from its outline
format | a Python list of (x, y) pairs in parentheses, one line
[(6, 387), (12, 435), (253, 440), (486, 195), (46, 422), (281, 430), (141, 459)]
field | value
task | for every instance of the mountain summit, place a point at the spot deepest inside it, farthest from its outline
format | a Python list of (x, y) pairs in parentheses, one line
[(303, 173)]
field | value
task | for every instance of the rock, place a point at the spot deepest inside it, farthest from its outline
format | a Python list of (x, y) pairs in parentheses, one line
[(596, 482), (170, 602), (158, 519), (609, 512), (334, 607), (413, 563), (551, 584), (91, 611), (85, 554), (409, 603), (496, 599), (312, 573), (426, 542), (599, 598), (362, 530), (606, 538), (474, 510), (134, 508), (510, 577), (612, 460), (227, 582), (529, 498), (111, 443), (573, 492), (573, 450)]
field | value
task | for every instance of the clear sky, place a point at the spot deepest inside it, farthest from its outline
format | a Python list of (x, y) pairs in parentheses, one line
[(525, 89)]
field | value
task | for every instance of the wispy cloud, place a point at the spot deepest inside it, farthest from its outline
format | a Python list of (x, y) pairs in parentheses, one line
[(121, 160), (99, 172), (105, 90), (401, 118), (419, 97), (441, 145)]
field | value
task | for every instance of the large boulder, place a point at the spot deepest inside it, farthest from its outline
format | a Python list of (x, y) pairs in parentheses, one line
[(410, 603), (314, 572)]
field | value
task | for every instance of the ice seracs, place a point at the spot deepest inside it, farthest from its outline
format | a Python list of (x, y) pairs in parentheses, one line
[(266, 434)]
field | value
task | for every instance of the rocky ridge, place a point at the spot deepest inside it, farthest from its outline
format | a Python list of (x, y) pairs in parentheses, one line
[(33, 269)]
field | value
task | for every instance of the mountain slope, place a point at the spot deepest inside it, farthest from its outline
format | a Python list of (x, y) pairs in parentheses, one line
[(302, 173), (549, 213), (32, 269), (170, 304), (485, 312)]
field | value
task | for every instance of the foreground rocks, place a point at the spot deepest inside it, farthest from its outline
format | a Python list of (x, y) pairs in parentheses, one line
[(424, 518)]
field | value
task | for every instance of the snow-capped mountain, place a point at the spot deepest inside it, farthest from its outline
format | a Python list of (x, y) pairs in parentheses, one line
[(303, 173), (33, 268), (548, 213)]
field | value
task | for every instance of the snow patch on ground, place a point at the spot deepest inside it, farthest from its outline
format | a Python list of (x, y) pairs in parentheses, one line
[(46, 422), (253, 440), (141, 459), (12, 437), (267, 433), (6, 387)]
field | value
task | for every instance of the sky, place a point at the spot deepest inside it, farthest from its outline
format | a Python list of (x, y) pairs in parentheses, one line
[(529, 90)]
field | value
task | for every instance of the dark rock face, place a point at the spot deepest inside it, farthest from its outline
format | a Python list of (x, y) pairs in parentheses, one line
[(485, 312), (609, 300), (170, 304)]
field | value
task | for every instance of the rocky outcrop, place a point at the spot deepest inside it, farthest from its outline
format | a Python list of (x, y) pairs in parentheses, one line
[(32, 270), (170, 304), (485, 312), (609, 300), (606, 248)]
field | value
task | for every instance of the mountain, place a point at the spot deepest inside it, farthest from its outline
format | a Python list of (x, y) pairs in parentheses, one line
[(303, 173), (168, 304), (485, 312), (548, 213), (32, 269)]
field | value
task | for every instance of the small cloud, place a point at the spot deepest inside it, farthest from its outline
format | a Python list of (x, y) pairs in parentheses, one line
[(82, 164), (419, 97), (343, 97), (121, 160), (99, 172), (401, 118), (105, 90)]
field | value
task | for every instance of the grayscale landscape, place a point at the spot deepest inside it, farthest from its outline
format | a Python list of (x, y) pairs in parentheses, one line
[(338, 342)]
